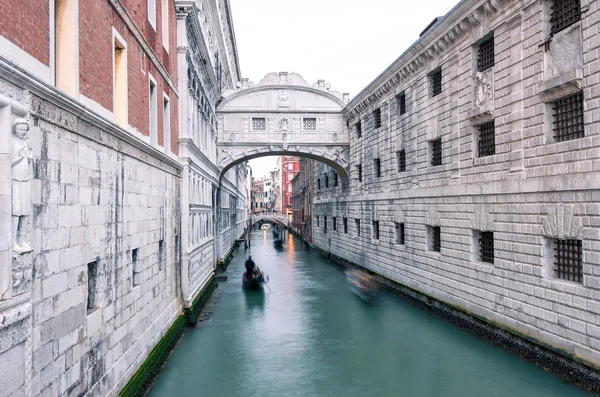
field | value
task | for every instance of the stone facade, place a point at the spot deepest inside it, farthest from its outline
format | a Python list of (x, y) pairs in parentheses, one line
[(302, 199), (429, 190)]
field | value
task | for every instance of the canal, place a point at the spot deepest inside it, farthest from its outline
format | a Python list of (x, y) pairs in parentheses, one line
[(308, 335)]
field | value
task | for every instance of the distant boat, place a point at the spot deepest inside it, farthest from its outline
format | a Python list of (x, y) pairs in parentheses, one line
[(257, 282), (278, 243), (361, 284)]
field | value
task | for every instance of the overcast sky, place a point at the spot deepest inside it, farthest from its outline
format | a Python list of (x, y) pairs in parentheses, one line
[(348, 43)]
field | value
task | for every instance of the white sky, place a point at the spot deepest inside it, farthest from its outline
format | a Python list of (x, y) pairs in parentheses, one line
[(346, 42)]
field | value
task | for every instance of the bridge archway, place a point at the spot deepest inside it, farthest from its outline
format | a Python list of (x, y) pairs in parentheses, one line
[(283, 115)]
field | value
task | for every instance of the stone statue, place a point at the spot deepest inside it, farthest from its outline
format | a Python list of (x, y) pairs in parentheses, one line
[(21, 187)]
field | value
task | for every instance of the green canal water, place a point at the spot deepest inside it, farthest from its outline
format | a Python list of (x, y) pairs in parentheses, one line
[(308, 335)]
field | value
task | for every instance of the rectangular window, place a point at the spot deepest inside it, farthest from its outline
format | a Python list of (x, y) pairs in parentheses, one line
[(357, 227), (335, 179), (486, 142), (325, 224), (568, 118), (167, 124), (401, 159), (485, 54), (436, 82), (358, 129), (309, 124), (399, 233), (376, 230), (345, 222), (319, 184), (135, 267), (291, 166), (568, 260), (401, 101), (326, 181), (435, 238), (359, 172), (65, 46), (377, 118), (153, 116), (152, 13), (120, 99), (165, 24), (377, 167), (334, 220), (161, 254), (318, 222), (564, 13), (92, 284), (259, 124), (486, 247), (435, 148)]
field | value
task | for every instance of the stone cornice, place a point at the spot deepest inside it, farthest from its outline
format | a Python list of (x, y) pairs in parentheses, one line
[(238, 75), (128, 20), (451, 29)]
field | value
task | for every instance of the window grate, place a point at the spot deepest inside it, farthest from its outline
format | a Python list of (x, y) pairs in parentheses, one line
[(259, 124), (377, 166), (486, 145), (377, 118), (376, 230), (436, 152), (436, 82), (564, 14), (358, 129), (436, 239), (400, 233), (401, 160), (568, 118), (401, 99), (485, 55), (310, 124), (486, 247), (568, 260)]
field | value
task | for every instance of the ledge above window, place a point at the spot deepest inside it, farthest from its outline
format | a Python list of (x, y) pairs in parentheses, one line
[(565, 84)]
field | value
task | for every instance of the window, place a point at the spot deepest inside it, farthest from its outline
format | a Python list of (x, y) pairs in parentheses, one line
[(564, 13), (309, 124), (486, 142), (167, 124), (335, 179), (135, 267), (290, 166), (161, 254), (377, 167), (259, 124), (485, 54), (401, 158), (290, 177), (568, 260), (318, 225), (399, 233), (436, 152), (66, 74), (377, 118), (152, 13), (568, 118), (345, 222), (153, 116), (359, 172), (401, 101), (434, 237), (120, 100), (486, 247), (358, 129), (326, 181), (376, 230), (325, 224), (334, 220), (319, 184), (165, 24), (92, 284), (357, 227), (436, 82)]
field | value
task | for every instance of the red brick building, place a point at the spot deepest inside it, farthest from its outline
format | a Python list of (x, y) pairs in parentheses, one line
[(290, 166)]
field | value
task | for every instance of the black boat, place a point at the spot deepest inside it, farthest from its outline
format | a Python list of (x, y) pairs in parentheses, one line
[(278, 243), (257, 282)]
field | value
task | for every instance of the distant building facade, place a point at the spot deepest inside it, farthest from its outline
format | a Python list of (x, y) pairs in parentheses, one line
[(289, 168), (302, 199)]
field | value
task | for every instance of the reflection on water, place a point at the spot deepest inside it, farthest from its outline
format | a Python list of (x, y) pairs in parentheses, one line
[(310, 336)]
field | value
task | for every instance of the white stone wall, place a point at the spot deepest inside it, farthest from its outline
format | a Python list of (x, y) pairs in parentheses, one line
[(533, 190)]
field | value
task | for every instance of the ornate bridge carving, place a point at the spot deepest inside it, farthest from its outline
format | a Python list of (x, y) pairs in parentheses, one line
[(283, 115)]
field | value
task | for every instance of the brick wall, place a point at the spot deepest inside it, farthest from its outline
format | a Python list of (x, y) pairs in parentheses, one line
[(26, 23)]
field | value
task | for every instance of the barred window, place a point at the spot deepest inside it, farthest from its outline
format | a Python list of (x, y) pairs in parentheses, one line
[(318, 225), (358, 129), (435, 238), (334, 220), (377, 118), (485, 55), (309, 124), (326, 181), (345, 222), (377, 167), (486, 144), (401, 157), (436, 82), (568, 260), (335, 179), (359, 172), (564, 14), (568, 118), (401, 100), (376, 230), (319, 184), (357, 226), (259, 124), (399, 233), (325, 224), (486, 247), (436, 152)]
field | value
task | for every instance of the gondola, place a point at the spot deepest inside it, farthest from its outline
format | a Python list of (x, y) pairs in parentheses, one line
[(361, 284), (278, 243), (254, 283)]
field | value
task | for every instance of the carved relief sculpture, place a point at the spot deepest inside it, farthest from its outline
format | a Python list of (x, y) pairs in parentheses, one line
[(21, 187), (482, 88)]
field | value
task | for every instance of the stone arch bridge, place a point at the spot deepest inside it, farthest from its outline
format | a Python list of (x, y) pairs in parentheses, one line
[(283, 115)]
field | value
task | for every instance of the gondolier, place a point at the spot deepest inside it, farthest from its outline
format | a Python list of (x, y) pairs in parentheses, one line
[(250, 266)]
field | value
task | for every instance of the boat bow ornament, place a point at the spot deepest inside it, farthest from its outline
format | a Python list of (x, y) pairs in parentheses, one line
[(283, 115)]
